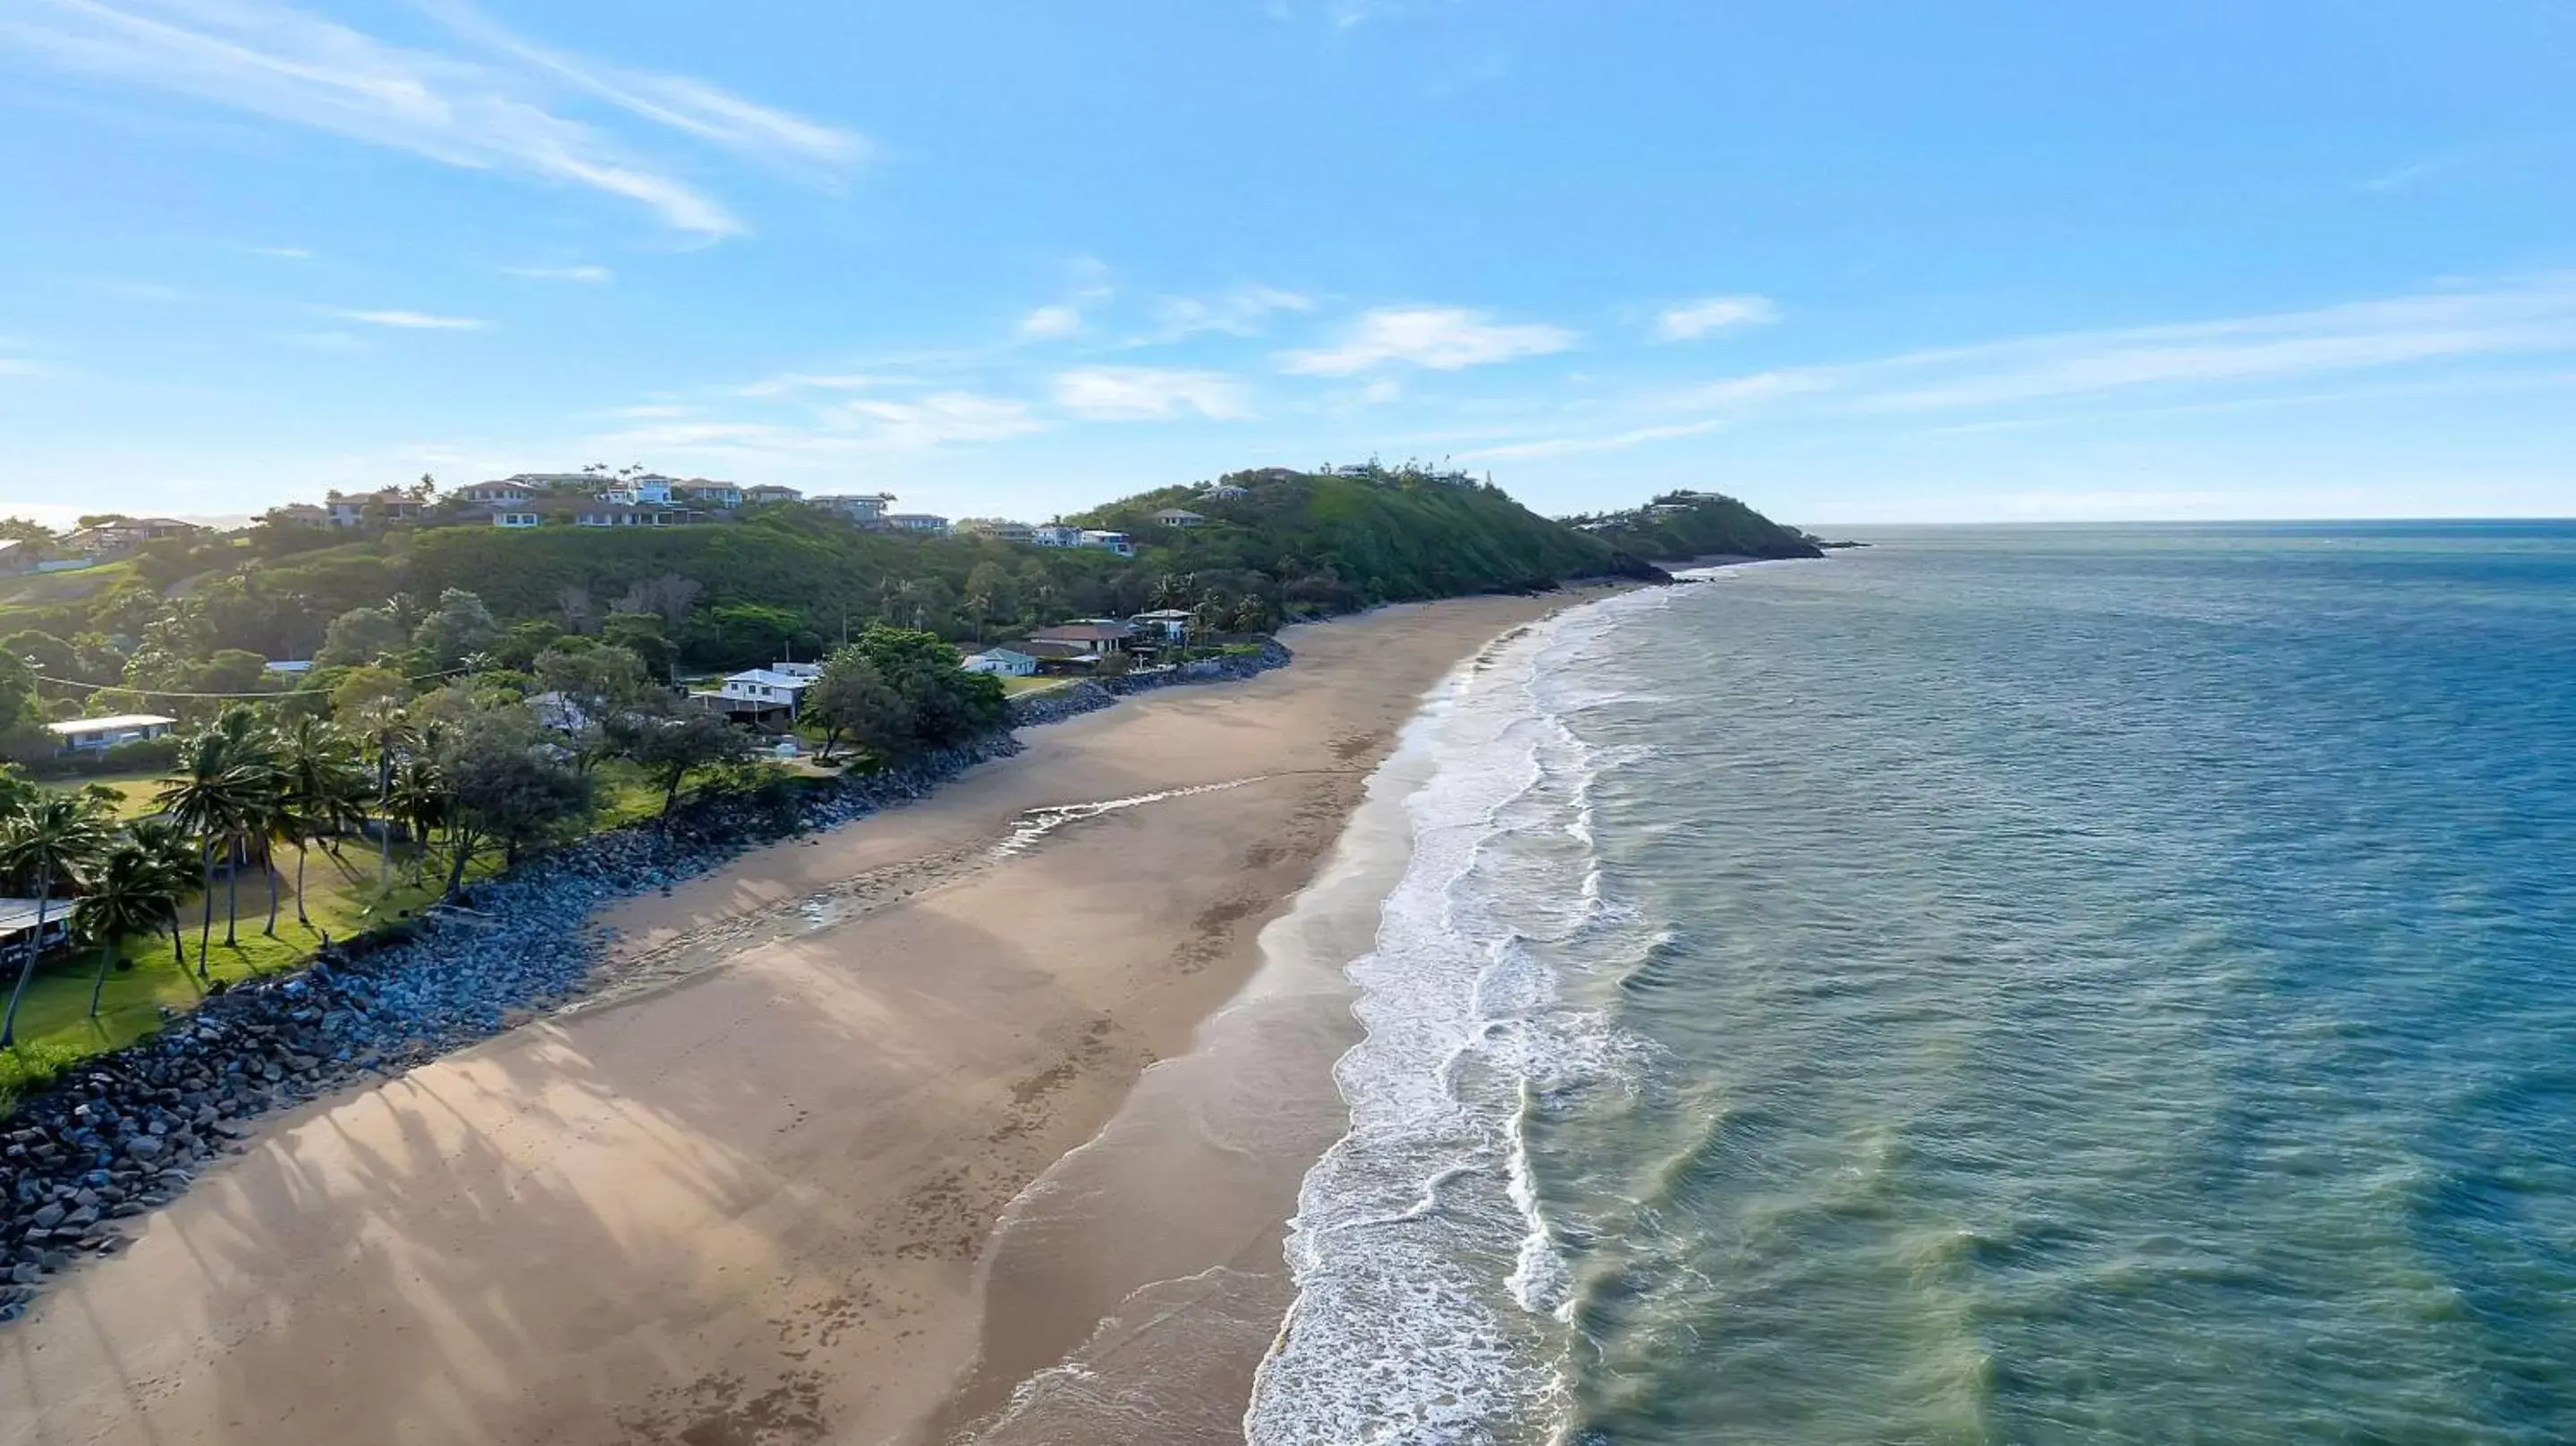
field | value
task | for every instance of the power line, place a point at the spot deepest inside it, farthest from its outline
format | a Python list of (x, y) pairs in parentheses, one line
[(175, 693)]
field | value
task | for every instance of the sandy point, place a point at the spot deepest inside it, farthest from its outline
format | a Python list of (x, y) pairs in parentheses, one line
[(740, 1199)]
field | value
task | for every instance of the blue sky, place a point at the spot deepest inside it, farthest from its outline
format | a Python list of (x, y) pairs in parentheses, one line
[(1853, 261)]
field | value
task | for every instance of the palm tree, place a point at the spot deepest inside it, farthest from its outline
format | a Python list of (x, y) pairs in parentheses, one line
[(319, 791), (134, 892), (57, 837), (420, 799), (386, 732), (256, 755), (175, 855), (209, 801)]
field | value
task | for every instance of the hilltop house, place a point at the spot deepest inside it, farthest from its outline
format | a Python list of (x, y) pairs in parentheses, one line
[(702, 493), (1001, 529), (505, 518), (621, 514), (1117, 542), (495, 494), (1178, 517), (863, 508), (1056, 534), (298, 514), (927, 524), (356, 509), (768, 492)]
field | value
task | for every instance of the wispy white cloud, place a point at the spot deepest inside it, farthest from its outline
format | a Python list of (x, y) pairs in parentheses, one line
[(786, 383), (2408, 177), (586, 275), (2529, 317), (934, 420), (412, 320), (1616, 441), (272, 59), (1149, 394), (1244, 311), (1695, 319), (1051, 323), (281, 253), (1439, 338)]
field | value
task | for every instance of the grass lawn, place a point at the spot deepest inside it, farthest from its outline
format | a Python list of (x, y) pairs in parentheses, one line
[(1035, 683), (134, 790), (341, 898)]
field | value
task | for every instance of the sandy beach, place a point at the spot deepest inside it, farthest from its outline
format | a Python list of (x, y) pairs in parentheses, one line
[(742, 1195)]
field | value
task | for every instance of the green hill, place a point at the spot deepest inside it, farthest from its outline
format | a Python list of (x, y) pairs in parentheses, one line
[(1263, 547), (1691, 526)]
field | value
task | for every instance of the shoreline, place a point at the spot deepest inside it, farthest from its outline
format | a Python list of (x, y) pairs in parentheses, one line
[(735, 1204)]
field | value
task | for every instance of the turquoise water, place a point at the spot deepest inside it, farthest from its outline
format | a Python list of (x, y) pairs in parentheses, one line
[(2025, 985)]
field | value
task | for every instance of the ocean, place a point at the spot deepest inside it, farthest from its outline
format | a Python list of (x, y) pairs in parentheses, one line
[(2019, 985)]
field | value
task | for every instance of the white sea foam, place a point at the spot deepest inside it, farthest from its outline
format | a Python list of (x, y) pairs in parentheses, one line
[(1430, 1276)]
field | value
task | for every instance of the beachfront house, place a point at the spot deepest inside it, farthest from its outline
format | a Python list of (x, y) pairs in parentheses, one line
[(18, 925), (1170, 625), (1097, 635), (1001, 663), (94, 735)]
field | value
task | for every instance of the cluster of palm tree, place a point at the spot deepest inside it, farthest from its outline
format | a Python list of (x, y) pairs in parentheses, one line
[(241, 787)]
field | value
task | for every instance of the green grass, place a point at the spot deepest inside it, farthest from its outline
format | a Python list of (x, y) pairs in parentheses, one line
[(341, 899), (134, 790)]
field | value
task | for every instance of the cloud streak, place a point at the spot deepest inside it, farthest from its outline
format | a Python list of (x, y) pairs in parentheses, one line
[(412, 320), (1437, 338), (586, 275), (1695, 319), (1130, 394), (271, 59)]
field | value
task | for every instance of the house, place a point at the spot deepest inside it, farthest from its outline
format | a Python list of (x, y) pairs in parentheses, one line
[(1058, 657), (107, 541), (288, 667), (91, 735), (356, 509), (807, 671), (1098, 635), (767, 493), (518, 519), (616, 514), (1001, 662), (1056, 534), (1178, 517), (702, 493), (1117, 542), (157, 528), (862, 508), (496, 494), (1000, 529), (927, 524), (299, 514), (1172, 625), (764, 697), (18, 923)]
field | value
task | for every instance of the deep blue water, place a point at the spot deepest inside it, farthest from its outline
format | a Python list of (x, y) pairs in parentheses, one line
[(2013, 985)]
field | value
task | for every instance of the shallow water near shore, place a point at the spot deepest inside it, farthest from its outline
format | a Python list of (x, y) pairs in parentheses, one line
[(2027, 985)]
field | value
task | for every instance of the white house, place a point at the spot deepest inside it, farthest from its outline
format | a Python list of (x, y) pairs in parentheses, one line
[(627, 515), (1056, 534), (768, 492), (495, 494), (1117, 542), (1098, 635), (928, 524), (1178, 517), (1172, 623), (807, 671), (518, 519), (766, 688), (711, 494), (1001, 662), (89, 735)]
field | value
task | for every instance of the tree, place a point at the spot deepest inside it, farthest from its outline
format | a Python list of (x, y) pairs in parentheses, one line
[(359, 690), (642, 634), (57, 838), (505, 786), (669, 749), (22, 713), (134, 891), (417, 799), (226, 772), (853, 697), (597, 684), (361, 635), (460, 625), (947, 704), (322, 786), (746, 635), (175, 854)]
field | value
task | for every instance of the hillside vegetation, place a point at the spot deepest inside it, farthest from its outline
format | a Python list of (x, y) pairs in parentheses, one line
[(1688, 526), (201, 614)]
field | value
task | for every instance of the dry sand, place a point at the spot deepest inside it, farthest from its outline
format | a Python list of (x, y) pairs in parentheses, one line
[(741, 1198)]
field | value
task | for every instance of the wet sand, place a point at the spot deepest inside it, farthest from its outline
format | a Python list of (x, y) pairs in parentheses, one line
[(743, 1197)]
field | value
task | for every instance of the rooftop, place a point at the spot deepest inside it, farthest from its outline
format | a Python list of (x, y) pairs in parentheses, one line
[(83, 727)]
